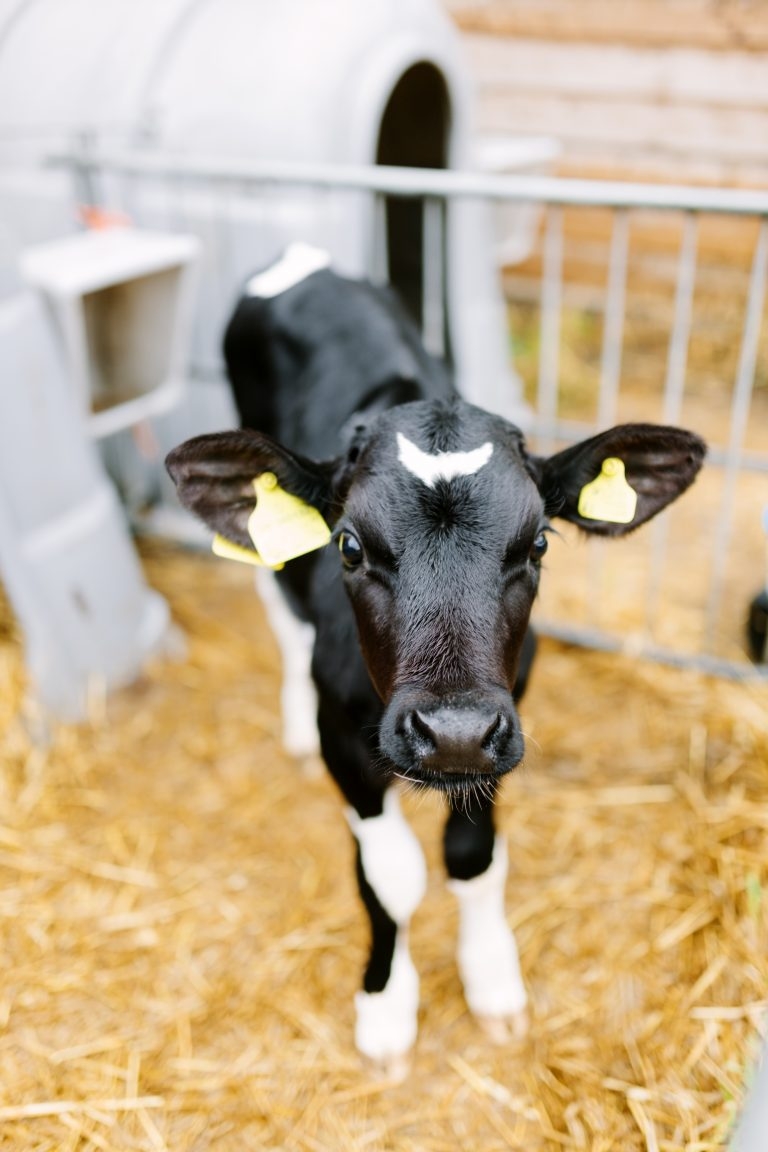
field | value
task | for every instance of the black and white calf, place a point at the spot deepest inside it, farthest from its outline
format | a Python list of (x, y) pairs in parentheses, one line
[(419, 610)]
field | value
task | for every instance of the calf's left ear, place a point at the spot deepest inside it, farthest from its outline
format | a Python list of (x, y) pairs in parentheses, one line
[(615, 481), (214, 477)]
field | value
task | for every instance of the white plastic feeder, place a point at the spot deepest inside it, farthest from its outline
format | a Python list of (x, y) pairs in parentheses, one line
[(121, 299)]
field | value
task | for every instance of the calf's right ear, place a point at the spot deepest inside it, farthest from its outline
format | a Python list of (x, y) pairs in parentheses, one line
[(653, 463), (214, 477)]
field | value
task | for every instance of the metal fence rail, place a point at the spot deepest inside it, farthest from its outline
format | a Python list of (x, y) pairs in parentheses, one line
[(729, 455), (420, 182)]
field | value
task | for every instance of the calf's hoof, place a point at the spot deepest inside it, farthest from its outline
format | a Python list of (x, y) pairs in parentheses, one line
[(390, 1070), (385, 1030), (503, 1029), (386, 1022), (312, 767)]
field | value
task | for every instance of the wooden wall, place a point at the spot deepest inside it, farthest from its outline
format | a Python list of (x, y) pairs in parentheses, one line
[(667, 89)]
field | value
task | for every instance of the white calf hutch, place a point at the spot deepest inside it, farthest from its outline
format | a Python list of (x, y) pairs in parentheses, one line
[(335, 84)]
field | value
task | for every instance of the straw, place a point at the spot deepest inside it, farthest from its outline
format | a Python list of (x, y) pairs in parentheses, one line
[(182, 936)]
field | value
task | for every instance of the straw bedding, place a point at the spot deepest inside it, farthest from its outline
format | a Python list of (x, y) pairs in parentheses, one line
[(182, 939)]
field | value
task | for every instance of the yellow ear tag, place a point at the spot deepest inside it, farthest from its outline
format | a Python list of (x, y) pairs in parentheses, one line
[(283, 527), (230, 551), (609, 497)]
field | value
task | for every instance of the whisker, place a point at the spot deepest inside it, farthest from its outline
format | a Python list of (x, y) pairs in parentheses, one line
[(531, 739)]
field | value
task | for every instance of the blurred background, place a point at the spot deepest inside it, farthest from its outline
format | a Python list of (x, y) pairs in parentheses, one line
[(571, 199)]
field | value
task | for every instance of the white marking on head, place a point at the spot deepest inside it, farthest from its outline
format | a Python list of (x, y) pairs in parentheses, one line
[(443, 465), (297, 262)]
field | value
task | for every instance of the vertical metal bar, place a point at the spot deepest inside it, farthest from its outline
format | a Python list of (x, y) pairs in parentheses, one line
[(226, 247), (742, 398), (549, 336), (174, 204), (433, 310), (613, 328), (379, 263), (610, 376), (681, 331), (674, 387), (126, 198), (84, 171)]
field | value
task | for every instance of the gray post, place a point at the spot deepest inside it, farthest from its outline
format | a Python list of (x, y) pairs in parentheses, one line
[(66, 558)]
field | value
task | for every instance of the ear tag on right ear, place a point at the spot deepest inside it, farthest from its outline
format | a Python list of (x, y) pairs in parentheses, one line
[(609, 497), (283, 527)]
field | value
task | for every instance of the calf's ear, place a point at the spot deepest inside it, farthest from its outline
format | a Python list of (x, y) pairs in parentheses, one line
[(214, 477), (659, 463)]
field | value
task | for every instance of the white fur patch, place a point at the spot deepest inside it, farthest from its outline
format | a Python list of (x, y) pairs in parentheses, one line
[(298, 696), (387, 1022), (297, 262), (442, 465), (487, 953), (392, 859)]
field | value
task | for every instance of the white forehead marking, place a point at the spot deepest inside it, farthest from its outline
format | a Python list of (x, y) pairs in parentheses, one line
[(297, 262), (443, 465)]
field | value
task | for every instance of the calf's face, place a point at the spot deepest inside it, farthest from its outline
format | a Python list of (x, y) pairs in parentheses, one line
[(440, 516), (441, 537)]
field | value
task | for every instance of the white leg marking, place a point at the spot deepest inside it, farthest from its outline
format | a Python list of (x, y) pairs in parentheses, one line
[(487, 954), (298, 697), (387, 1022), (392, 858), (442, 465), (395, 868), (297, 262)]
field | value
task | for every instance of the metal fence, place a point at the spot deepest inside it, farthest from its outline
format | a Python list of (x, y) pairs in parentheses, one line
[(678, 592)]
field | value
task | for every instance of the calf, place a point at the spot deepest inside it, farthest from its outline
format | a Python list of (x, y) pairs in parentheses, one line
[(439, 516)]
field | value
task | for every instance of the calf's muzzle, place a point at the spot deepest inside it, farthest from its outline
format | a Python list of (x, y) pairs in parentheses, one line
[(441, 739)]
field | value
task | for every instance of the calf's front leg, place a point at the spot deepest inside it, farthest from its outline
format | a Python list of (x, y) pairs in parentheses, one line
[(476, 861), (391, 873)]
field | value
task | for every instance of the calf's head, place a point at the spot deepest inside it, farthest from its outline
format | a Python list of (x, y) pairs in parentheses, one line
[(440, 516)]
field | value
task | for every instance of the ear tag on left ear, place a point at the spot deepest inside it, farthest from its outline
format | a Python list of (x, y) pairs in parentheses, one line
[(609, 497), (231, 551), (283, 527)]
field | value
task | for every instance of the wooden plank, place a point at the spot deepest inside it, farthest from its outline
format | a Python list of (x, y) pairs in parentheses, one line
[(628, 132), (678, 114), (606, 72), (651, 165), (717, 24)]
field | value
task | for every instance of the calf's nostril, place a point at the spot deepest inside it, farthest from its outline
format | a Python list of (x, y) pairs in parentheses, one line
[(422, 726), (418, 733), (496, 734)]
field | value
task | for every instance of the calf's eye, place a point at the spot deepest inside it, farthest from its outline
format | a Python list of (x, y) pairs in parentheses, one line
[(351, 550), (539, 547)]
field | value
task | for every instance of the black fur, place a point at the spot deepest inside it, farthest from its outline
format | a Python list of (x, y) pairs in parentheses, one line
[(468, 839), (383, 934)]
